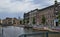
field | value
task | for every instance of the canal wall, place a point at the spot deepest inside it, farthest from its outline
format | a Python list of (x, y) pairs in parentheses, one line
[(54, 35)]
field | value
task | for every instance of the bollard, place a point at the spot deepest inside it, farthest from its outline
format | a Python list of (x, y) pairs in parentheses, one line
[(46, 34), (25, 36)]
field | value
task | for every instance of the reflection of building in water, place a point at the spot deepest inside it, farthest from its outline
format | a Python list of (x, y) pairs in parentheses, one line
[(50, 14)]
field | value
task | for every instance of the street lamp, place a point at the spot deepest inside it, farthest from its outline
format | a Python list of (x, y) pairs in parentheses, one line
[(2, 30)]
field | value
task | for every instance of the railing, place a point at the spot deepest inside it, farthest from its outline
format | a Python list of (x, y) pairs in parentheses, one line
[(41, 34)]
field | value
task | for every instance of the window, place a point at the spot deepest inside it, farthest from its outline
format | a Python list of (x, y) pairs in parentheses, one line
[(56, 8), (14, 22), (59, 5), (50, 16), (56, 12), (9, 22)]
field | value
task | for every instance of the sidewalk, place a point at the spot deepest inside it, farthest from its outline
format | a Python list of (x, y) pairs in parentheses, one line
[(47, 29)]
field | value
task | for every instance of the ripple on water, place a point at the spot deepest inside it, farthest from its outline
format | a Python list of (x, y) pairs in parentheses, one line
[(12, 31)]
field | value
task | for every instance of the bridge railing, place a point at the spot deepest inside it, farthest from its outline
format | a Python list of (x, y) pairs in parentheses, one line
[(42, 34)]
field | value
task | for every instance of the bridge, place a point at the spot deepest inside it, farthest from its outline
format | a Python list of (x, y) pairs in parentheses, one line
[(41, 34)]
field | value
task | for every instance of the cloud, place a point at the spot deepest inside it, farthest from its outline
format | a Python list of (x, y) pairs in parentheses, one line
[(11, 7), (22, 5), (17, 5)]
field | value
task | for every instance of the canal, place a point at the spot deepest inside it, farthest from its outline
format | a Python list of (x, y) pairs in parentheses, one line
[(12, 31)]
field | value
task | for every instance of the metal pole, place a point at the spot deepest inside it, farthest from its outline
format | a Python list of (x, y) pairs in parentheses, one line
[(2, 31), (25, 36), (46, 34)]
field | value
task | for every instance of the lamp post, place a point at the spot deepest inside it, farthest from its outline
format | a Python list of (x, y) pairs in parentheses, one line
[(2, 27), (2, 31)]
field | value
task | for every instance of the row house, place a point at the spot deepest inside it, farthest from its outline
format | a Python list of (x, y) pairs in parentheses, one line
[(50, 13), (0, 21), (32, 16), (16, 22), (11, 21), (26, 18)]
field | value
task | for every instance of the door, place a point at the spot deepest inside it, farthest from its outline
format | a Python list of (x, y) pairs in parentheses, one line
[(56, 23)]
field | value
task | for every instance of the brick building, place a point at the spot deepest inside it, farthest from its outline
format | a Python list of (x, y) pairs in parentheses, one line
[(7, 21), (11, 21), (50, 14), (32, 16), (26, 18), (0, 21), (16, 22)]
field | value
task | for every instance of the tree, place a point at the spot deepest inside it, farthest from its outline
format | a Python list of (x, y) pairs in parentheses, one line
[(23, 21), (43, 19), (59, 17), (27, 20), (20, 21), (33, 20)]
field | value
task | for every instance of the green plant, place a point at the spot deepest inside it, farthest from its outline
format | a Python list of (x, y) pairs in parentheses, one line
[(43, 19), (23, 21), (20, 22), (59, 18)]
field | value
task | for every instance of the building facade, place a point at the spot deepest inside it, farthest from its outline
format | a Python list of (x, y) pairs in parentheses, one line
[(50, 13), (32, 16), (0, 21), (26, 18), (16, 22), (7, 21), (11, 21)]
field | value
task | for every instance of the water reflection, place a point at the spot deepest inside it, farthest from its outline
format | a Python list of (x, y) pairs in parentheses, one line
[(12, 31)]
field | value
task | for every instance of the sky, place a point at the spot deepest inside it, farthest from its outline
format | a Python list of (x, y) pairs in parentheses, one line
[(16, 8)]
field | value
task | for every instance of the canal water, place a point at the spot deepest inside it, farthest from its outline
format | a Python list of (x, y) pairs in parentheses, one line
[(12, 31)]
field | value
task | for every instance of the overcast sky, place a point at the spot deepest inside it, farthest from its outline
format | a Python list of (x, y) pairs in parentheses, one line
[(16, 8)]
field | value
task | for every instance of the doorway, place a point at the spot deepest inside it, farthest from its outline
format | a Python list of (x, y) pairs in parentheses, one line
[(56, 23)]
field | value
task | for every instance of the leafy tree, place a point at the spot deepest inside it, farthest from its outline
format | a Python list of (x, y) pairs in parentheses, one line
[(43, 19), (20, 22), (23, 21), (27, 20), (59, 18)]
